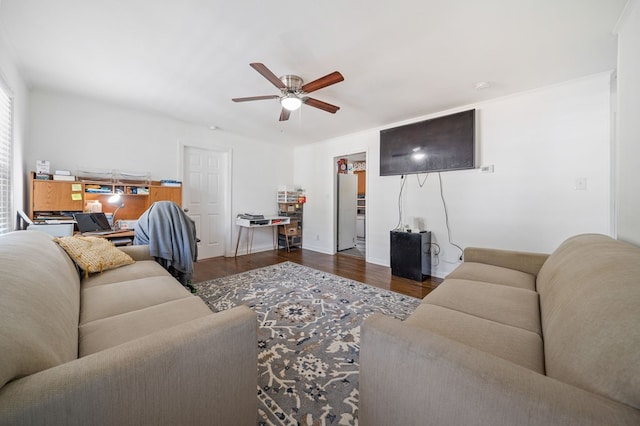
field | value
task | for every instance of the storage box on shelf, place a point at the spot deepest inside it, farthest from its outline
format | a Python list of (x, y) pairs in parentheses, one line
[(288, 196), (49, 198), (96, 175), (133, 177)]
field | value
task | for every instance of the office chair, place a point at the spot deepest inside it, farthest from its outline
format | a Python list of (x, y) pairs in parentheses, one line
[(171, 236)]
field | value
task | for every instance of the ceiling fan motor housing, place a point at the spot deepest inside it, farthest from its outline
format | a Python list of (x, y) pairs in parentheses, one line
[(293, 83)]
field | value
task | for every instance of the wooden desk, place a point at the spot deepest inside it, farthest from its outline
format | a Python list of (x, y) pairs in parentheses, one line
[(252, 224), (116, 235)]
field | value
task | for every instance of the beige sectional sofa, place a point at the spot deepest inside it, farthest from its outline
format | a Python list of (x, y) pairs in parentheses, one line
[(128, 346), (512, 338)]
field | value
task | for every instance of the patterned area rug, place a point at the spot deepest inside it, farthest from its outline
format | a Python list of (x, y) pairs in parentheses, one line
[(308, 338)]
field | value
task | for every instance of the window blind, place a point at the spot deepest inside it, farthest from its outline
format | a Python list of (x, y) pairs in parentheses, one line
[(6, 158)]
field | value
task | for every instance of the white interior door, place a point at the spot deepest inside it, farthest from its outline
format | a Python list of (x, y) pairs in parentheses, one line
[(205, 197), (347, 210)]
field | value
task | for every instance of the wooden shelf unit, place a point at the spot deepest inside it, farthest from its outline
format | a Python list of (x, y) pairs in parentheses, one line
[(290, 235), (54, 196)]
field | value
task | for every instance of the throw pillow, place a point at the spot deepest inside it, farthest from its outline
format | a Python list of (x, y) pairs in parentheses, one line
[(93, 254)]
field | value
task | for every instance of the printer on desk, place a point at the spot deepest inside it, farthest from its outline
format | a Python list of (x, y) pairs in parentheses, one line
[(57, 228), (251, 216), (251, 219)]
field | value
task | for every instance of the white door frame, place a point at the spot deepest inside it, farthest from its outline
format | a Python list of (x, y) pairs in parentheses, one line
[(182, 146), (334, 243)]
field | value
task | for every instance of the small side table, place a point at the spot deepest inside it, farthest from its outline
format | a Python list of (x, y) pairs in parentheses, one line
[(411, 254)]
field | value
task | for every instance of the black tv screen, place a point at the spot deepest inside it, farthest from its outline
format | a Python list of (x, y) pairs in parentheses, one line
[(435, 145)]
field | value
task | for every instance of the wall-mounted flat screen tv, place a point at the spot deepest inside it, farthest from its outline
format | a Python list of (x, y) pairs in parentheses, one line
[(435, 145)]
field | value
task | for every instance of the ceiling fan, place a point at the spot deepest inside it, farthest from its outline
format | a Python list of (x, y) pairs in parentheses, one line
[(293, 92)]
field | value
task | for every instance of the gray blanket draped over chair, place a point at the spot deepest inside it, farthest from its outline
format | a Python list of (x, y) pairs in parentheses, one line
[(171, 236)]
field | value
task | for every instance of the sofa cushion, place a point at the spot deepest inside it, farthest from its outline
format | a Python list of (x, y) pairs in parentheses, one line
[(590, 310), (513, 344), (503, 304), (139, 252), (494, 274), (140, 269), (39, 305), (93, 254), (101, 334), (118, 298)]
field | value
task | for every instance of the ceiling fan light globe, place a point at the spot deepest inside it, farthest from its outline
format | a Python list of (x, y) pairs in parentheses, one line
[(291, 102)]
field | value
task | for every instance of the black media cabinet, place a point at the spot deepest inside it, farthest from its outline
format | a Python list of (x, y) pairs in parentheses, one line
[(411, 254)]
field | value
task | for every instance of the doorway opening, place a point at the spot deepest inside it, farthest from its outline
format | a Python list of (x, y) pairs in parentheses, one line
[(351, 204)]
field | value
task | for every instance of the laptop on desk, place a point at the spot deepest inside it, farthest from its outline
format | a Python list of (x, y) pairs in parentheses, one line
[(93, 224)]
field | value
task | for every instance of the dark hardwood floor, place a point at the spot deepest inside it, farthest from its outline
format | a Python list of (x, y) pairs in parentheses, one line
[(351, 267)]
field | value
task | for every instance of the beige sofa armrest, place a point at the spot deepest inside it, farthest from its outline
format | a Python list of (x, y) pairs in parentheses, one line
[(518, 260), (410, 376), (200, 372), (140, 252)]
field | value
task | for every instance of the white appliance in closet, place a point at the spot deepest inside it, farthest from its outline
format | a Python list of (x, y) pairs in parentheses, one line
[(347, 210)]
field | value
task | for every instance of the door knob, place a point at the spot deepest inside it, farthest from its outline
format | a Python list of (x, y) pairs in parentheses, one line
[(186, 210)]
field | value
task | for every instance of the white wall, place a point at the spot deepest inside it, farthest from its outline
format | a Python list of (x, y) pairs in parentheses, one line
[(76, 133), (628, 129), (539, 143), (11, 75)]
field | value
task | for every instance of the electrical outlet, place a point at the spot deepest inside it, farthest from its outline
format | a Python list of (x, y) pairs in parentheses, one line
[(317, 237), (581, 184)]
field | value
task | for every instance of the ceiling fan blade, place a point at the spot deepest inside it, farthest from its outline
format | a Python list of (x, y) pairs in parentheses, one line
[(327, 80), (284, 114), (255, 98), (321, 105), (266, 73)]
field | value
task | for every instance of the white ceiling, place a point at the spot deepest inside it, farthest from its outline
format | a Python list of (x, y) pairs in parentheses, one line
[(400, 59)]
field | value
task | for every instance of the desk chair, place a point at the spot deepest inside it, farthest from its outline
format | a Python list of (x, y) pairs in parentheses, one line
[(171, 236)]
